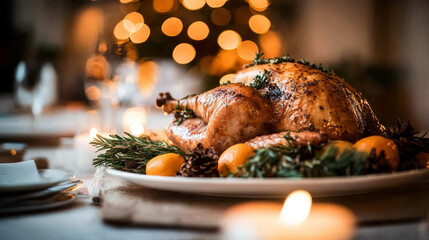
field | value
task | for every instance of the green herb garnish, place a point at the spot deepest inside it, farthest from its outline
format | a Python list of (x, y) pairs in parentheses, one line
[(130, 153), (261, 80), (292, 160), (259, 60)]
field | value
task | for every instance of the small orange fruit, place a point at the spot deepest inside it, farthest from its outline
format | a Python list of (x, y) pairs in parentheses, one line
[(423, 159), (380, 144), (165, 165), (233, 157), (340, 145)]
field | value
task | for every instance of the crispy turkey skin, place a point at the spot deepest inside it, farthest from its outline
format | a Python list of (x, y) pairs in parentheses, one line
[(305, 99)]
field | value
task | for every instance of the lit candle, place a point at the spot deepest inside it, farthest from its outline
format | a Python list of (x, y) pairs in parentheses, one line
[(85, 153), (298, 219)]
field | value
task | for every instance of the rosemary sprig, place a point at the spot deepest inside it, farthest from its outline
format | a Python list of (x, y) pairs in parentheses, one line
[(121, 152), (261, 80), (181, 115), (292, 160)]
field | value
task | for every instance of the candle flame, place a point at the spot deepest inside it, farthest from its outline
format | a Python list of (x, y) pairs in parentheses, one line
[(93, 133), (137, 129), (296, 207)]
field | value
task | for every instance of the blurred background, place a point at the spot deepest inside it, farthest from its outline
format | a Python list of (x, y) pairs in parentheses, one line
[(101, 58)]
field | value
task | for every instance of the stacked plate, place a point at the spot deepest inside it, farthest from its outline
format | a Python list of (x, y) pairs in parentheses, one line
[(24, 188)]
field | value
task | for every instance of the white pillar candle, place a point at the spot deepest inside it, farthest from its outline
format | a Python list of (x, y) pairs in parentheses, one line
[(85, 152), (297, 220)]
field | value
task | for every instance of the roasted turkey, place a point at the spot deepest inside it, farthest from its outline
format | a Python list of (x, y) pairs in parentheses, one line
[(309, 102)]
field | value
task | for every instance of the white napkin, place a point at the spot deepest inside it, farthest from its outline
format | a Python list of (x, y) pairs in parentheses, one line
[(18, 173)]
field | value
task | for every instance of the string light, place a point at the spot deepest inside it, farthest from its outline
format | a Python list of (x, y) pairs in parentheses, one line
[(226, 78), (163, 6), (259, 5), (198, 31), (229, 40), (141, 35), (215, 3), (93, 93), (184, 53), (247, 50), (193, 4), (133, 22), (259, 24), (120, 32), (220, 16), (172, 27)]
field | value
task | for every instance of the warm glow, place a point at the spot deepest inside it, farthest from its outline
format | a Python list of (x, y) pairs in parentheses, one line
[(259, 5), (13, 152), (141, 35), (147, 77), (247, 50), (259, 24), (133, 22), (120, 32), (296, 208), (224, 61), (127, 1), (163, 6), (193, 4), (215, 3), (172, 27), (220, 16), (93, 93), (132, 118), (137, 129), (198, 31), (228, 77), (271, 44), (93, 133), (184, 53), (229, 39)]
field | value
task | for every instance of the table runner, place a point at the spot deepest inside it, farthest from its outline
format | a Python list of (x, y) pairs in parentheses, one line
[(127, 203)]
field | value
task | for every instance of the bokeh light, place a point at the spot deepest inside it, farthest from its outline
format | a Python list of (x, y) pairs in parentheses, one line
[(224, 61), (93, 93), (226, 78), (247, 50), (271, 44), (220, 16), (163, 6), (215, 3), (242, 15), (193, 4), (120, 32), (133, 22), (127, 1), (259, 24), (147, 77), (172, 27), (229, 40), (141, 35), (198, 30), (259, 5), (184, 53)]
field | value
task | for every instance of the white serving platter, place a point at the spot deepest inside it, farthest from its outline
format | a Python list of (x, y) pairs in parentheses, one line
[(275, 187)]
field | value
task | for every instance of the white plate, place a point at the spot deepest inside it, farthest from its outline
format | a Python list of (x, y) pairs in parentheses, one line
[(274, 187), (48, 178)]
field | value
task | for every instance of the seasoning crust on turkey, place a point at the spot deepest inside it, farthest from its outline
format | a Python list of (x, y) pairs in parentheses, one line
[(263, 102)]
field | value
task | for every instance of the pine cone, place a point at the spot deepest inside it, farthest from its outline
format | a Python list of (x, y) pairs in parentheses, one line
[(201, 163), (372, 164), (131, 165), (403, 134)]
